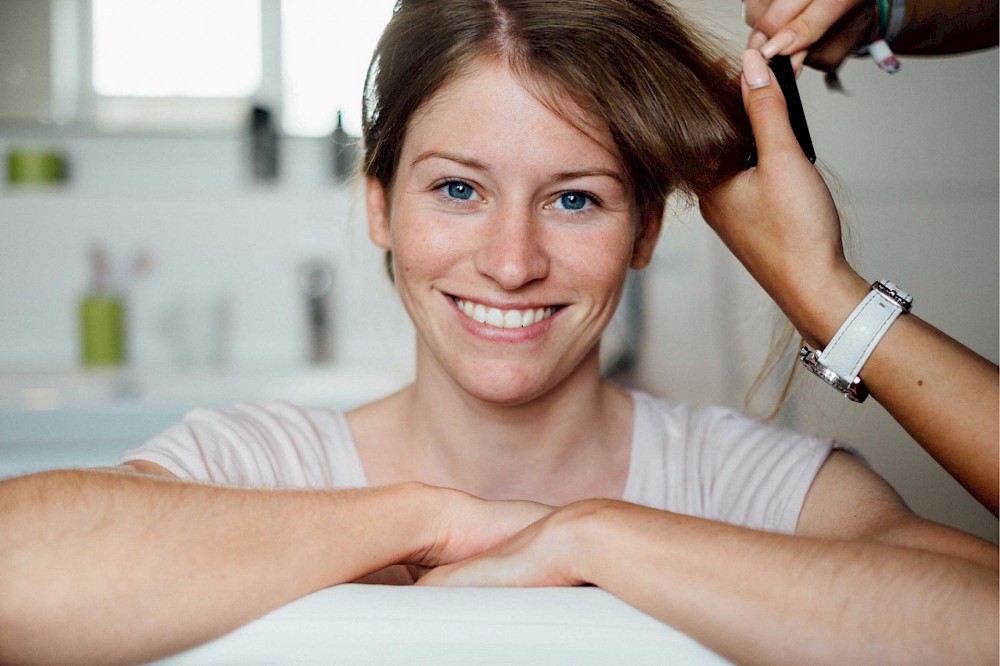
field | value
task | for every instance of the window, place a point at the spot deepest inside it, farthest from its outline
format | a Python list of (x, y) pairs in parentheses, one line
[(325, 51), (183, 64), (176, 48)]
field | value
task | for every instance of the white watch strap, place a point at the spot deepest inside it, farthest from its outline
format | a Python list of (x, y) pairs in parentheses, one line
[(853, 344)]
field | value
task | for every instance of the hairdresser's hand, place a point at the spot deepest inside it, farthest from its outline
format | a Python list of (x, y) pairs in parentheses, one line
[(549, 553), (779, 218), (822, 33)]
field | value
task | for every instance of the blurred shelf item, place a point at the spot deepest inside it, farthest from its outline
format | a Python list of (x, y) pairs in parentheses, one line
[(338, 387)]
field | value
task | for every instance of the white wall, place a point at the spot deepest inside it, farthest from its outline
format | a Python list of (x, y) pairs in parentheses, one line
[(916, 159)]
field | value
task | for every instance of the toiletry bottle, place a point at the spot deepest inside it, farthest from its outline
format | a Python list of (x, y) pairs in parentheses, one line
[(102, 316), (263, 145), (344, 151)]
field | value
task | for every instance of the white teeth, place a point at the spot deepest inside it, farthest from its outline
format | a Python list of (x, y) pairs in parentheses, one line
[(503, 318), (512, 319)]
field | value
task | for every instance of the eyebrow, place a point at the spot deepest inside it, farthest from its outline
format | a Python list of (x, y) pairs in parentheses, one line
[(482, 166), (465, 161)]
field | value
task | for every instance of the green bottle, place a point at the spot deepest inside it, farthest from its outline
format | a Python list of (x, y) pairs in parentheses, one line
[(102, 317)]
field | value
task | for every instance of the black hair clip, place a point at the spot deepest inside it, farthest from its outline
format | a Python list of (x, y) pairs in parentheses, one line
[(783, 72)]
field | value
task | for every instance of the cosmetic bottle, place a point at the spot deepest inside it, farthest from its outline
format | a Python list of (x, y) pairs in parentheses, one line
[(101, 316), (344, 151), (263, 145)]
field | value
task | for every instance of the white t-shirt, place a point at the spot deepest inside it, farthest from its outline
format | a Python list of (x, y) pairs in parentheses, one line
[(707, 462)]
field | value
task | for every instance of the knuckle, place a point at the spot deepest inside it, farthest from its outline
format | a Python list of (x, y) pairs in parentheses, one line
[(768, 101)]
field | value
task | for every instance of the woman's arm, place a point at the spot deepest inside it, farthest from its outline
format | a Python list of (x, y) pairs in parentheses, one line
[(104, 566), (863, 581), (943, 394), (828, 30)]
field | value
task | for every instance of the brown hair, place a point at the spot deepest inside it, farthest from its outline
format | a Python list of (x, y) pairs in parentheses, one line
[(668, 96)]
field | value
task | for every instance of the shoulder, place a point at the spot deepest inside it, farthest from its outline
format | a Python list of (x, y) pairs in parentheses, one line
[(272, 444), (719, 464), (718, 429)]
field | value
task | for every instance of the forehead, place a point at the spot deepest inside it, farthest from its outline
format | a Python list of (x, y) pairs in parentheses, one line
[(486, 107)]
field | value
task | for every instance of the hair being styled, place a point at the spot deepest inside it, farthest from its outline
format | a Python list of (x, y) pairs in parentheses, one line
[(669, 97)]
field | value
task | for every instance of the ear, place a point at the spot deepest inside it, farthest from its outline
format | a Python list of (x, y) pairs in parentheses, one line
[(378, 213), (650, 223)]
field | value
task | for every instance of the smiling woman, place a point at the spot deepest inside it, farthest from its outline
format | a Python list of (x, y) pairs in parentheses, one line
[(518, 157)]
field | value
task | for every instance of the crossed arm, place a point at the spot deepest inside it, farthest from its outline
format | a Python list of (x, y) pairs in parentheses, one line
[(863, 580), (119, 567)]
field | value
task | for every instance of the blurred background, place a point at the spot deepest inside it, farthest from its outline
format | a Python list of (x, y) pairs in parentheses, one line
[(178, 228)]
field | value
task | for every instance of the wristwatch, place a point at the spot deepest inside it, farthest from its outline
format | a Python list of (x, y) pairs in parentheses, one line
[(839, 364)]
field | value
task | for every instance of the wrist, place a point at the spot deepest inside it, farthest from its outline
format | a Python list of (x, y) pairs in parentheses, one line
[(818, 308), (588, 529), (414, 510)]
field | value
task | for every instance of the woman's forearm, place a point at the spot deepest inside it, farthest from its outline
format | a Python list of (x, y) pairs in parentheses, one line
[(764, 598), (939, 27), (106, 567)]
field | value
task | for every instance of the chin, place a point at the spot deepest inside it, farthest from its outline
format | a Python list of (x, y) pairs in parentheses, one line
[(504, 386)]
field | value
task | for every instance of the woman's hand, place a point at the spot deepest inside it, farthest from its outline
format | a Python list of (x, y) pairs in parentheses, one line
[(822, 33), (551, 552), (467, 526), (779, 218)]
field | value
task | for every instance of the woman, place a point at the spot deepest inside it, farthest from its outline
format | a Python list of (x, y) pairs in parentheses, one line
[(518, 155)]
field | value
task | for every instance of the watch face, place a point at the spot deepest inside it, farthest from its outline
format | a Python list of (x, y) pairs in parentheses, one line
[(855, 391)]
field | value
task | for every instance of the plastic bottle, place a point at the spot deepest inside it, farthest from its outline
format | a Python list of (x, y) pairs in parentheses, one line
[(101, 316)]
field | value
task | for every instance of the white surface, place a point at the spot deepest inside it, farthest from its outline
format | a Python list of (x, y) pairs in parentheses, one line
[(53, 420), (375, 624)]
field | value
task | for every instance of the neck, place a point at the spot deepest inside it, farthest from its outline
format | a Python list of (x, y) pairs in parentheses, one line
[(552, 448)]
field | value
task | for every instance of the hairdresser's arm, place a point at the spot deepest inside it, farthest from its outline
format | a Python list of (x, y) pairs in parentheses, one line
[(830, 29), (863, 581), (112, 566), (943, 394)]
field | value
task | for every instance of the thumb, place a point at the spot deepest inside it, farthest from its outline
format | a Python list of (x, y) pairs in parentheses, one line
[(765, 106)]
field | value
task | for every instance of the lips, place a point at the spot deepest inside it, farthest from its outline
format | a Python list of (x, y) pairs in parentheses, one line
[(501, 318)]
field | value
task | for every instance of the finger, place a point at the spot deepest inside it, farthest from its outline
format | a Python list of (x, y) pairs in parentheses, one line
[(474, 572), (766, 109), (798, 60), (806, 28), (775, 15), (757, 39)]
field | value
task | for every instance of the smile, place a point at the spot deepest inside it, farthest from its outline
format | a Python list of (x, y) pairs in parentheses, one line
[(502, 318)]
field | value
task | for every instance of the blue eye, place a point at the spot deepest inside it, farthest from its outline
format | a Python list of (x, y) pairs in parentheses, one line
[(459, 190), (574, 200)]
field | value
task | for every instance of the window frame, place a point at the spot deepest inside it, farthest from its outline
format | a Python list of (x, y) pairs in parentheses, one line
[(73, 21)]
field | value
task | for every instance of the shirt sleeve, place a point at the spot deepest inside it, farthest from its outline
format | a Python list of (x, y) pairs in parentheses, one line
[(754, 474), (271, 446)]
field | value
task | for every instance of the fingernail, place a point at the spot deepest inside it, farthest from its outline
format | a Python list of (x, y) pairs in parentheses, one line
[(778, 43), (755, 71), (757, 40)]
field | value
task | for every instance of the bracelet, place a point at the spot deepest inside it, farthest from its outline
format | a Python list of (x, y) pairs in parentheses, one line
[(842, 360), (890, 20), (883, 16)]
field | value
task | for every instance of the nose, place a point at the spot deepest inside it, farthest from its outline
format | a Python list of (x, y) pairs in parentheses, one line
[(512, 250)]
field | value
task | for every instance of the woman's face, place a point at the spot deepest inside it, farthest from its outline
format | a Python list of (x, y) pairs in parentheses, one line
[(512, 232)]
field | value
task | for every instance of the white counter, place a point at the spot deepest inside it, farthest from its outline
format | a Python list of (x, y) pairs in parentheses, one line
[(376, 624), (60, 419)]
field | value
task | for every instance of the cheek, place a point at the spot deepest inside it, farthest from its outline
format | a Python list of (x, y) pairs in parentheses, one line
[(422, 245), (602, 256)]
